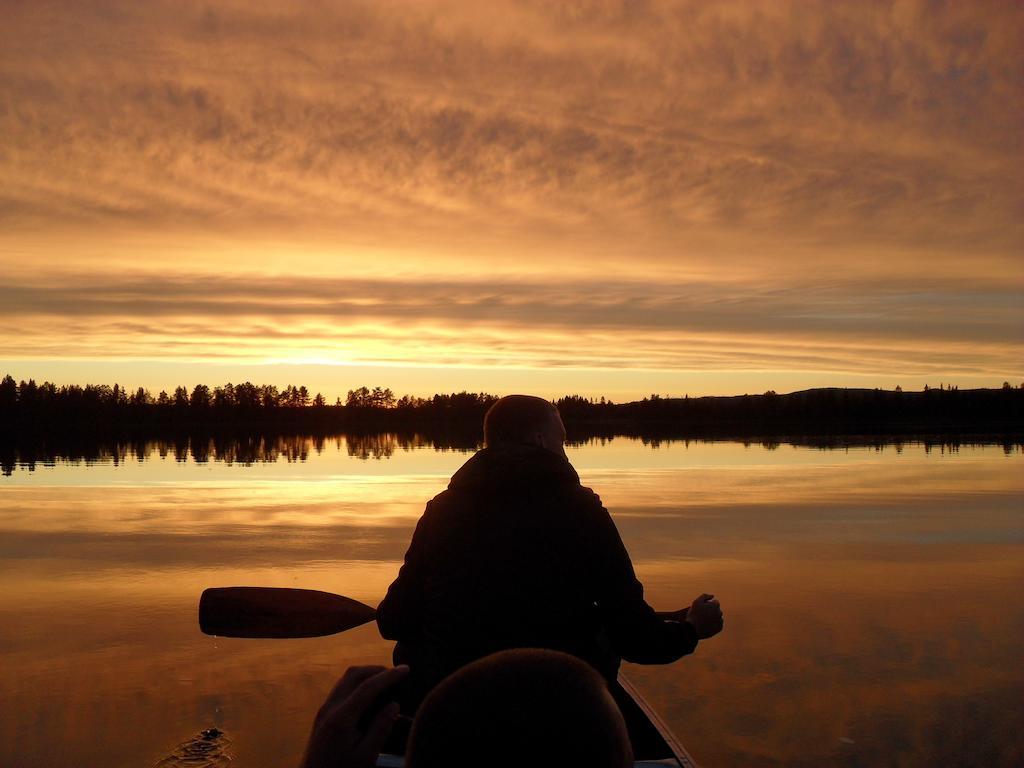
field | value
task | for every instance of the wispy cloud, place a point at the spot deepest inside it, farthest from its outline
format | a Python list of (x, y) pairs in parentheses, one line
[(660, 325), (985, 312), (894, 124)]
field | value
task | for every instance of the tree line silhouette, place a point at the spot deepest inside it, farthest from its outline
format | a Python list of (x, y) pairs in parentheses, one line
[(28, 407), (31, 410)]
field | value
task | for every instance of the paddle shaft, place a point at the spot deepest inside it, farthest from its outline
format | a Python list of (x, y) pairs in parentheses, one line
[(281, 612)]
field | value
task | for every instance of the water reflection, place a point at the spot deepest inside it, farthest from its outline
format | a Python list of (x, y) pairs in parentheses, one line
[(227, 449), (872, 595), (249, 449)]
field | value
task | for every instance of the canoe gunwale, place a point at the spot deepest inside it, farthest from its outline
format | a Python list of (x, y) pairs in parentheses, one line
[(671, 741)]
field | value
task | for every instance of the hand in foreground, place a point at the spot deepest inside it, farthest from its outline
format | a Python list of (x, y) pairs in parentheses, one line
[(705, 614), (339, 738)]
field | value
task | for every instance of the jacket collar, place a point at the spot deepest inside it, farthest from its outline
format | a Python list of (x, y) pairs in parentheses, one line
[(514, 465)]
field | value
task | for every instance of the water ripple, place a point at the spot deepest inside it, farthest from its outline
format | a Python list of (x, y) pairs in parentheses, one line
[(207, 749)]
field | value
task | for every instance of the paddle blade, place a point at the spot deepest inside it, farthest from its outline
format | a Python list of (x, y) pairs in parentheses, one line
[(278, 612)]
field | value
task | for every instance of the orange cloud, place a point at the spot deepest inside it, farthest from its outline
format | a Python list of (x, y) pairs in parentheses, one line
[(782, 182)]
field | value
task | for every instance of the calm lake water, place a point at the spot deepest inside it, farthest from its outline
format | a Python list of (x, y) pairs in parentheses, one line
[(872, 597)]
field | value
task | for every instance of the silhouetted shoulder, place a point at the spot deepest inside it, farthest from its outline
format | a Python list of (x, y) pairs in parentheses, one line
[(440, 499), (449, 504), (439, 503), (594, 521), (587, 498)]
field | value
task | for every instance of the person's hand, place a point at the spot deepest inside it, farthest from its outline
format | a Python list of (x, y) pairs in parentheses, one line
[(705, 614), (341, 737)]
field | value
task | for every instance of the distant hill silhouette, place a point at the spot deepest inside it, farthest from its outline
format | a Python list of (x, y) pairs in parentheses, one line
[(826, 411)]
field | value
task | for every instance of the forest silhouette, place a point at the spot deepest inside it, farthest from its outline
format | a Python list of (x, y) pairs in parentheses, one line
[(28, 410), (248, 423)]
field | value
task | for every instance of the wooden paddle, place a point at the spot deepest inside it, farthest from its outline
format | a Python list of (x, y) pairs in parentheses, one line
[(279, 612)]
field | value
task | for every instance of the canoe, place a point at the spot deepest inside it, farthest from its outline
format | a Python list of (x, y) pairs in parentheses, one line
[(654, 744), (276, 612)]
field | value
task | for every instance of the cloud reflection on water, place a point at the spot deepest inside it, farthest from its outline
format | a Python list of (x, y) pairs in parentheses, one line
[(870, 597)]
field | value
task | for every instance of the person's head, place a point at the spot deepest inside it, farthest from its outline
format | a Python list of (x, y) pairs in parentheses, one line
[(524, 420), (525, 707)]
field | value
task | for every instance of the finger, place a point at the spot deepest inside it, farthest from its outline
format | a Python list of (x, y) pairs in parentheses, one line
[(353, 678), (345, 711), (370, 690), (376, 734), (346, 684)]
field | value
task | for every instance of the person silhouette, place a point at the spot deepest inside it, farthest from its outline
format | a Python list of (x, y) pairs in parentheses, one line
[(516, 553)]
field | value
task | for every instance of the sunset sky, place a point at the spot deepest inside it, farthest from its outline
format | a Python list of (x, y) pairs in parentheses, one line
[(610, 198)]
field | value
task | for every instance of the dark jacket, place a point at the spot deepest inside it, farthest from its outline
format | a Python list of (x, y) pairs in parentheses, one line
[(516, 553)]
